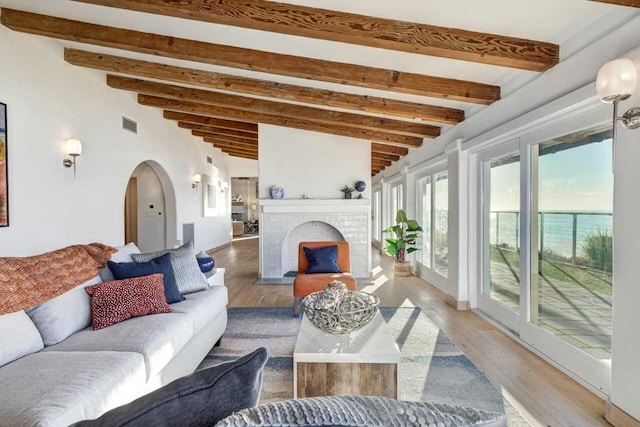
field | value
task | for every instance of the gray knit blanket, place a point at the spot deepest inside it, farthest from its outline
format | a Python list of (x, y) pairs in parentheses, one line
[(360, 411)]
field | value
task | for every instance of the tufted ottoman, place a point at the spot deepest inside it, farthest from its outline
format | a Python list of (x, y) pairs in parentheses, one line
[(360, 411)]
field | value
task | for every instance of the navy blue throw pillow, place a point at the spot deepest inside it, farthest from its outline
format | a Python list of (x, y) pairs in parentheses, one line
[(162, 264), (322, 260)]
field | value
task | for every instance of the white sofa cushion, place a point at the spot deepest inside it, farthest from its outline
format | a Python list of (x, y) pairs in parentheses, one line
[(158, 337), (63, 315), (18, 337), (61, 388), (202, 307), (122, 255)]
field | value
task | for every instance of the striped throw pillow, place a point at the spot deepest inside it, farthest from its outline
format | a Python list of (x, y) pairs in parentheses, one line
[(189, 278)]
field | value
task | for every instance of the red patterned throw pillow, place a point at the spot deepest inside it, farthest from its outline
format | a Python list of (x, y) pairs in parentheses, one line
[(118, 300)]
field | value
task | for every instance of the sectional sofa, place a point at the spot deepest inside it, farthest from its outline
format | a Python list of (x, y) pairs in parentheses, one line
[(55, 369)]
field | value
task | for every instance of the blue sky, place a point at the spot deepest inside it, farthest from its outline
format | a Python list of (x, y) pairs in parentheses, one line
[(578, 179)]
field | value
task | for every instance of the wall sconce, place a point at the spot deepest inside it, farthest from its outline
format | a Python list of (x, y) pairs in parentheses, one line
[(197, 178), (223, 186), (616, 82), (73, 147)]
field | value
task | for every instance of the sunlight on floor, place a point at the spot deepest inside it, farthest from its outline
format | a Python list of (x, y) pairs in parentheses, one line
[(375, 284), (376, 270), (506, 395)]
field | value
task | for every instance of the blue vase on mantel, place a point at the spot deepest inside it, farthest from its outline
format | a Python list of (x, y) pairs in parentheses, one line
[(276, 192), (205, 261)]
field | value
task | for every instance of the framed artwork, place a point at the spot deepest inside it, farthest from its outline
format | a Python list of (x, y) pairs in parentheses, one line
[(4, 173)]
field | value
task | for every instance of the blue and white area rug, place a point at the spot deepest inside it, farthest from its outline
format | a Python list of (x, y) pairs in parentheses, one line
[(432, 369)]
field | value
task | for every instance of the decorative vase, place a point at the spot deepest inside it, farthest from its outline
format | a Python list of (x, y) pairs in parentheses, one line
[(402, 269), (360, 186), (347, 195), (276, 192), (205, 261)]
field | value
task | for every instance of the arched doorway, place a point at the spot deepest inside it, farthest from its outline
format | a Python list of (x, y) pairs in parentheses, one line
[(150, 208)]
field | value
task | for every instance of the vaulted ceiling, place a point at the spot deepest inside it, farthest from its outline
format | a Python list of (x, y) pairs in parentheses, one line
[(396, 73)]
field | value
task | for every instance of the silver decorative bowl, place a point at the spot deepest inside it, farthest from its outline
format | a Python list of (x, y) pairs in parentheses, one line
[(342, 313)]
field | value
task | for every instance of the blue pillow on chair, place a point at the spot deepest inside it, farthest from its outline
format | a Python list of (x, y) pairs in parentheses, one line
[(161, 264), (322, 260)]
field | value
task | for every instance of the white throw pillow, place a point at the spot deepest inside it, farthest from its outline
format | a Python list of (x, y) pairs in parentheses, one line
[(63, 315), (18, 337), (123, 255)]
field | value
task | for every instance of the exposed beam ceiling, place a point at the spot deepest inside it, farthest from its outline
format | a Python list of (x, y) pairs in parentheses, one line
[(274, 108), (252, 117), (356, 29), (248, 59), (371, 104)]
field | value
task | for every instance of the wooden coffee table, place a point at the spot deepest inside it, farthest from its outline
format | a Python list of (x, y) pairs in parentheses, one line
[(364, 362)]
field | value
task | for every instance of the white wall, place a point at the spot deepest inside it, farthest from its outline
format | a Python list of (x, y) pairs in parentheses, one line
[(311, 163), (625, 364), (238, 166), (49, 101)]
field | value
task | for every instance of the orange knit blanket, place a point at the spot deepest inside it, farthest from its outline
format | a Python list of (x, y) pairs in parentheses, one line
[(29, 281)]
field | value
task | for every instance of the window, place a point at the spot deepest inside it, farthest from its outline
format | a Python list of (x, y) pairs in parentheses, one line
[(441, 223), (433, 216)]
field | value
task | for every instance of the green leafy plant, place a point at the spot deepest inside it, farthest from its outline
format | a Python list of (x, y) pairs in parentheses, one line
[(598, 248), (347, 189), (406, 231)]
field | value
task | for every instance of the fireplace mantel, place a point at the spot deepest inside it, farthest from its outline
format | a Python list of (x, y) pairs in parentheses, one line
[(351, 218)]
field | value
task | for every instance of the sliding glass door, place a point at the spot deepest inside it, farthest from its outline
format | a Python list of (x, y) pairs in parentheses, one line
[(545, 243), (571, 255), (500, 238)]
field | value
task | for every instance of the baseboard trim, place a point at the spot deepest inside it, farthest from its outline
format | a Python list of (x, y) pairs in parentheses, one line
[(218, 248), (458, 305), (618, 417)]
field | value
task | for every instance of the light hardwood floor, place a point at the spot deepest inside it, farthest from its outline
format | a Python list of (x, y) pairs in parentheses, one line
[(543, 394)]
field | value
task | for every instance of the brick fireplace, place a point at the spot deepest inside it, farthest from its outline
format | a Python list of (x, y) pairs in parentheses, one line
[(285, 223)]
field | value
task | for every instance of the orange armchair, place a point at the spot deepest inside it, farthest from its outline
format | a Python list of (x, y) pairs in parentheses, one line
[(305, 284)]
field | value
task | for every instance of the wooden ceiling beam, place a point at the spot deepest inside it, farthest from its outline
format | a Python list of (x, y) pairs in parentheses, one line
[(274, 108), (357, 29), (306, 124), (230, 145), (249, 59), (266, 88), (630, 3), (239, 154), (385, 156), (220, 131), (376, 162), (211, 121), (232, 148), (224, 138), (390, 149)]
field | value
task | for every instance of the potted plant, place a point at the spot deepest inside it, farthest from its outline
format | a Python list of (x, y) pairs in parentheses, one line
[(347, 191), (406, 231)]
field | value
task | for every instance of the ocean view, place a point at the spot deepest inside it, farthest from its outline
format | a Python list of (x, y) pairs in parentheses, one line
[(556, 229)]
